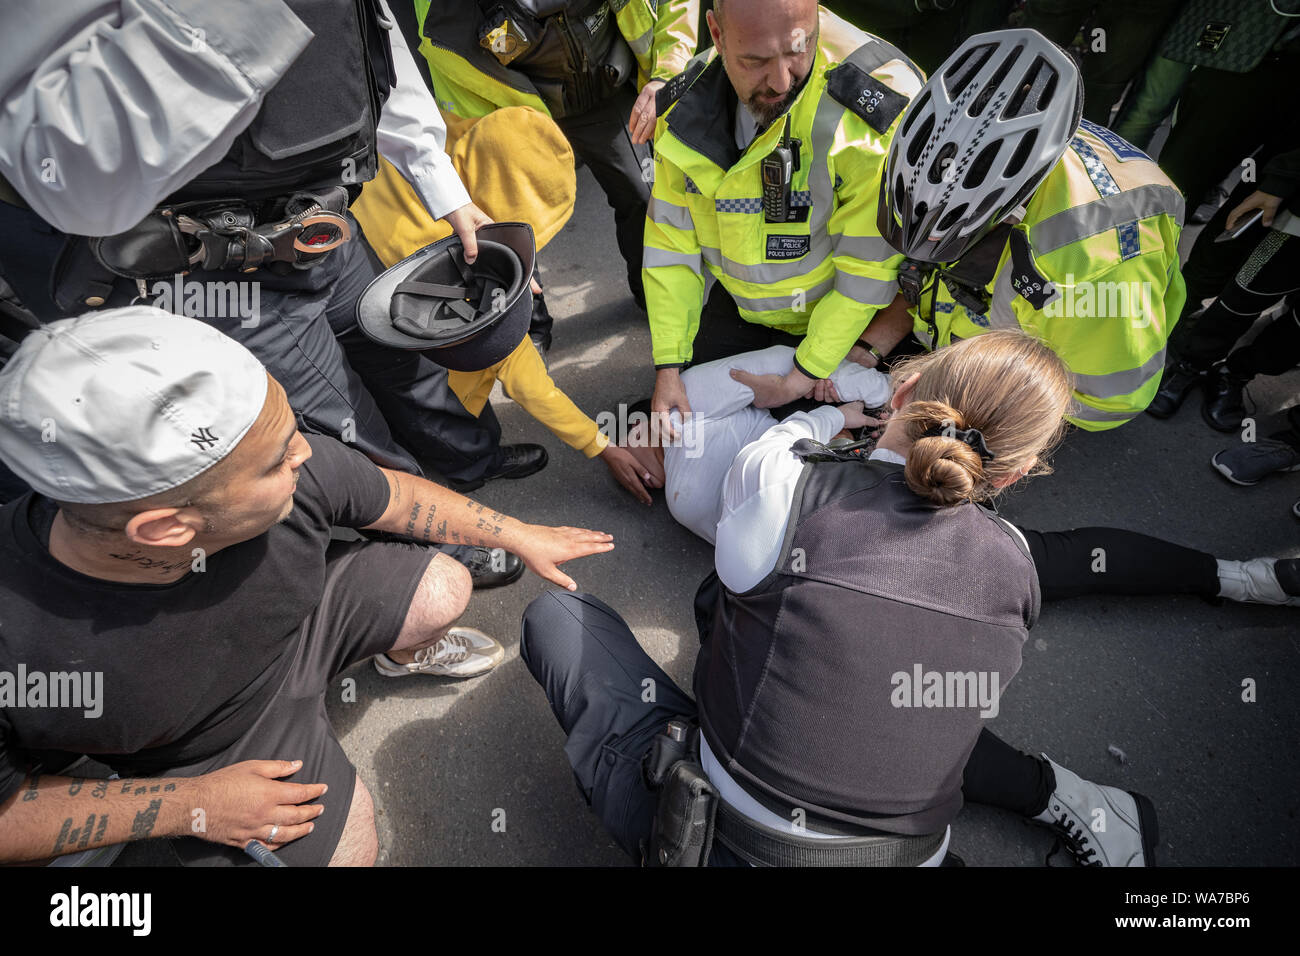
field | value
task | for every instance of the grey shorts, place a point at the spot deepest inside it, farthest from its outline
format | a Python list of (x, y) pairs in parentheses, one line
[(368, 589)]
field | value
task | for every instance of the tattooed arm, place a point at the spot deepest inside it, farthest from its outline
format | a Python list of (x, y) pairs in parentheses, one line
[(50, 816), (425, 511)]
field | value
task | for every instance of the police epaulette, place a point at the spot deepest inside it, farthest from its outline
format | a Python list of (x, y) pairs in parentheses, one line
[(672, 90), (852, 85)]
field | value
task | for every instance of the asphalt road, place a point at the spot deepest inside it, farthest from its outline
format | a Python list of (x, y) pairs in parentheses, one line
[(1158, 678)]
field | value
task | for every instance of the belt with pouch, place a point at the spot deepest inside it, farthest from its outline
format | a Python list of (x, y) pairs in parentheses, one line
[(691, 815)]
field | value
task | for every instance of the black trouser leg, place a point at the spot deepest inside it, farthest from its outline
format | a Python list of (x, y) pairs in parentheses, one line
[(1274, 351), (601, 138), (1213, 134), (999, 775), (1115, 561), (1264, 270), (723, 333), (610, 699)]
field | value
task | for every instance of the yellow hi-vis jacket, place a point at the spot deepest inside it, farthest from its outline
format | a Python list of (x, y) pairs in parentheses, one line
[(1092, 270), (662, 34), (825, 273)]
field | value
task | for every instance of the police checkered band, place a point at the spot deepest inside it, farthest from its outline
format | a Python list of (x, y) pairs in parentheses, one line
[(738, 205), (690, 185), (1130, 241), (800, 197)]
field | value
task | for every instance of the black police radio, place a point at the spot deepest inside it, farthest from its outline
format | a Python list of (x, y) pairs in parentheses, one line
[(777, 170)]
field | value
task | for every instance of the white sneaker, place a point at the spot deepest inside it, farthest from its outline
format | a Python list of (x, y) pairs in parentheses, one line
[(1101, 826), (463, 652), (1253, 581)]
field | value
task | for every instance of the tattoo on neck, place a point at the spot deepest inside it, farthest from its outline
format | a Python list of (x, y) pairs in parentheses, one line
[(152, 564)]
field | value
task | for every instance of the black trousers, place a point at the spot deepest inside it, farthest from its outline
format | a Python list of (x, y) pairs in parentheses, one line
[(1248, 275), (1133, 31), (600, 137), (393, 405), (611, 698)]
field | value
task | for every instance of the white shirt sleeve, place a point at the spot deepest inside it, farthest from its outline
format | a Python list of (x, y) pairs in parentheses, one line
[(412, 135), (856, 383), (109, 106), (757, 493)]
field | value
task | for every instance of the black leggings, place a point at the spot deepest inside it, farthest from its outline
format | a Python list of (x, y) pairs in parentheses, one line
[(1114, 561), (1071, 564)]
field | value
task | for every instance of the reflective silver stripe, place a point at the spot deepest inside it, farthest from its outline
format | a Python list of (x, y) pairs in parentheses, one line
[(825, 122), (668, 214), (641, 45), (866, 248), (780, 303), (652, 258), (1001, 315), (865, 290), (769, 273), (1109, 212), (1089, 414), (1125, 382)]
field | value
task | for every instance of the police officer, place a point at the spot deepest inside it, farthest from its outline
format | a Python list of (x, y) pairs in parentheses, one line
[(767, 168), (582, 62), (210, 152), (1015, 214)]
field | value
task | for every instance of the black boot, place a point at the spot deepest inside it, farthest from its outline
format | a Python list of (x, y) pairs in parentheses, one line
[(517, 461), (1175, 385), (1225, 399)]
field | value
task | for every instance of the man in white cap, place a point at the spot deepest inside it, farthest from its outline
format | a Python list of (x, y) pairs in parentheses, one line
[(176, 553)]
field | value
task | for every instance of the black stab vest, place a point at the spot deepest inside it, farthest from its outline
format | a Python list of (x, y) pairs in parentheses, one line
[(795, 679)]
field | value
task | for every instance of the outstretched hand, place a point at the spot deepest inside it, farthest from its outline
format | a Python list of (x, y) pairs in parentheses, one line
[(545, 548)]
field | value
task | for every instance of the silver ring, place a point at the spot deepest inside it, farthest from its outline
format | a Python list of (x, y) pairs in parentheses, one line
[(274, 830)]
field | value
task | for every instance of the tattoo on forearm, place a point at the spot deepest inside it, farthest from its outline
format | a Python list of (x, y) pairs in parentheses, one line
[(410, 522), (428, 522), (74, 788), (144, 821), (31, 792), (79, 838), (101, 788)]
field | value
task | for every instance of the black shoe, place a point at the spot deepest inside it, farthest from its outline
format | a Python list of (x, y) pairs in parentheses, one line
[(489, 567), (1176, 384), (1225, 399), (517, 461)]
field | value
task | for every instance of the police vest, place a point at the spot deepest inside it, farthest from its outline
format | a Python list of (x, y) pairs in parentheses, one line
[(850, 682), (569, 54), (1092, 270), (316, 126), (824, 270)]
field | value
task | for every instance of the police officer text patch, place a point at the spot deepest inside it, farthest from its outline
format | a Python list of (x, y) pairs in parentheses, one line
[(788, 247), (865, 95)]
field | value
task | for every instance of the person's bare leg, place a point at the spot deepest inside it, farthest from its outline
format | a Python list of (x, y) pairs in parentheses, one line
[(438, 602), (359, 844)]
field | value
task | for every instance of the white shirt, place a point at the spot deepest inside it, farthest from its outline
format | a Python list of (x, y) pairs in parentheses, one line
[(723, 421), (109, 106)]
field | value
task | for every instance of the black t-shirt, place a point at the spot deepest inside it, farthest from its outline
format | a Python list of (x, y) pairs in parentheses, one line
[(188, 666)]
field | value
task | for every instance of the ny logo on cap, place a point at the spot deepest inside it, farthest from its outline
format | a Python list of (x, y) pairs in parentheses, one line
[(204, 439)]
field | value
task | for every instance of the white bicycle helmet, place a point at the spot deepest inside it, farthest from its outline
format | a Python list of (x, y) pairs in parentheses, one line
[(978, 138)]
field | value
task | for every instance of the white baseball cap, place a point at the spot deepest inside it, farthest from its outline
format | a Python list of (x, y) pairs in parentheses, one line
[(124, 403)]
